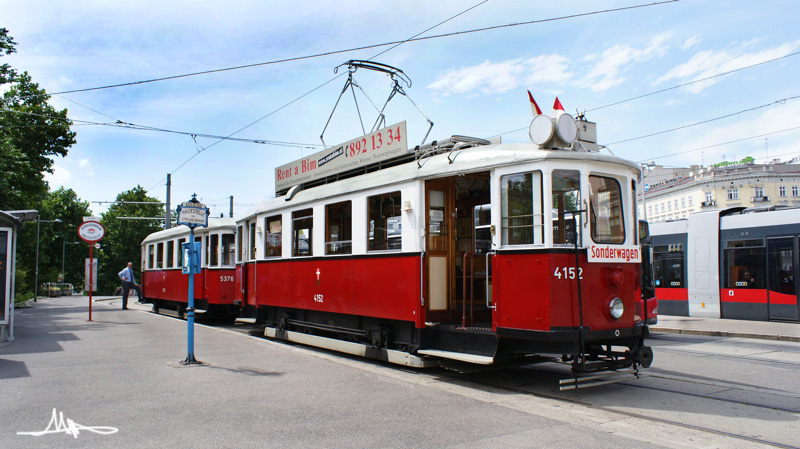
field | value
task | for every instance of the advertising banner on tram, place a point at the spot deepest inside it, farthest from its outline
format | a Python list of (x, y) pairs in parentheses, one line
[(381, 145)]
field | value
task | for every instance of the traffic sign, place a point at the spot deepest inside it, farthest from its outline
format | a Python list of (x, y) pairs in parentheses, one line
[(91, 232)]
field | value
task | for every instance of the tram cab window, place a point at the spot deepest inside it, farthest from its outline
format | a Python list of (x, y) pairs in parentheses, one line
[(170, 254), (213, 250), (302, 225), (745, 267), (605, 203), (566, 198), (339, 228), (228, 248), (160, 255), (385, 230), (522, 220), (273, 242), (669, 264)]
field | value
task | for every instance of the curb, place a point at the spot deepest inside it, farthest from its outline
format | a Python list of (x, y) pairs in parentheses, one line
[(669, 330)]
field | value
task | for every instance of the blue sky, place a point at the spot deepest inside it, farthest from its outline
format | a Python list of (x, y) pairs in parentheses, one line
[(470, 84)]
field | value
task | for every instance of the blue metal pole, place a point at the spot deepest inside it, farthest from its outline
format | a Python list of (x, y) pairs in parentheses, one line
[(190, 310)]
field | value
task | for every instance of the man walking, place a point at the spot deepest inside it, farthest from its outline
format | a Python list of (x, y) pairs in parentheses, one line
[(128, 283)]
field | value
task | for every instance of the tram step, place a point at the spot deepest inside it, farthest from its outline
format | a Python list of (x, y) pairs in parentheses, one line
[(460, 356)]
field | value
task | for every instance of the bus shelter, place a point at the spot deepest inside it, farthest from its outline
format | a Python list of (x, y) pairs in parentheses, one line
[(10, 223)]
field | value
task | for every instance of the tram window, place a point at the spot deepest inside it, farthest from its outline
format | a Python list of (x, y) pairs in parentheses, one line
[(339, 228), (251, 242), (273, 243), (482, 216), (239, 243), (745, 268), (606, 210), (522, 220), (170, 254), (213, 250), (745, 243), (180, 252), (385, 223), (151, 256), (302, 225), (566, 198), (160, 255), (669, 265), (228, 248)]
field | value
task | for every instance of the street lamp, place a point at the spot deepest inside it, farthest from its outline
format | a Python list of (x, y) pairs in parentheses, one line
[(644, 166), (63, 254), (36, 276)]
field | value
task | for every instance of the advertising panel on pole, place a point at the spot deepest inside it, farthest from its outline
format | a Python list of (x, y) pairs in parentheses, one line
[(381, 145), (87, 275)]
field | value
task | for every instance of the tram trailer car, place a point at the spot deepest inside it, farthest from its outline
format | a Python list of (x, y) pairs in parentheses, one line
[(466, 250), (163, 283), (735, 263)]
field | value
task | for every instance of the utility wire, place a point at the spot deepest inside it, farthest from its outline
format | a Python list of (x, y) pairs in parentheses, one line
[(365, 47)]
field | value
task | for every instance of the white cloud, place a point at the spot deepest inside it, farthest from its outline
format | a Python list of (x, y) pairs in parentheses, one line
[(613, 63), (707, 63), (86, 166), (691, 42), (60, 177)]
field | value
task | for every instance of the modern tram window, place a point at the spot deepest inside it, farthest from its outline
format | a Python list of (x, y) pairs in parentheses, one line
[(669, 264), (213, 250), (180, 252), (566, 198), (385, 230), (228, 249), (151, 251), (745, 267), (160, 255), (339, 228), (273, 242), (522, 220), (170, 254), (302, 225), (605, 200)]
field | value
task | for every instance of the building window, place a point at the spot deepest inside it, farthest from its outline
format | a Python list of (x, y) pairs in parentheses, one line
[(650, 210), (709, 197), (339, 228), (676, 204), (782, 191), (683, 202), (794, 191), (385, 222), (302, 225), (690, 201), (669, 205), (758, 191), (733, 194), (273, 240)]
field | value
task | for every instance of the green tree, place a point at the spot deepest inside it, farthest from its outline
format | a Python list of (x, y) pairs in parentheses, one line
[(123, 238), (7, 46), (65, 205)]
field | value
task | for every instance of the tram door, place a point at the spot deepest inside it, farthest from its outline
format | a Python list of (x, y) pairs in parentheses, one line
[(782, 278), (439, 225)]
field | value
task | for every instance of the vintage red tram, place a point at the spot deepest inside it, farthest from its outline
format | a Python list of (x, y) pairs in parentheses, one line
[(165, 287), (463, 249)]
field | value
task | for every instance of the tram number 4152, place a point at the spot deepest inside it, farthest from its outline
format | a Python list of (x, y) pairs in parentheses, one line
[(568, 273)]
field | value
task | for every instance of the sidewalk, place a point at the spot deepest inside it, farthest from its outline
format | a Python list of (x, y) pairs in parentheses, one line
[(717, 327)]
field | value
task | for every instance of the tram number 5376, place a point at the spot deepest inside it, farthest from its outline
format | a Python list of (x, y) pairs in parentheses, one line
[(568, 273)]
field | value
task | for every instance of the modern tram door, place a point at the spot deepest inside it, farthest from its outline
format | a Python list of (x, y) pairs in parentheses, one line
[(782, 278), (457, 238)]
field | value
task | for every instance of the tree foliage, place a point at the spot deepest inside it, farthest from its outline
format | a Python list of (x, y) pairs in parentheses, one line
[(123, 239), (7, 46)]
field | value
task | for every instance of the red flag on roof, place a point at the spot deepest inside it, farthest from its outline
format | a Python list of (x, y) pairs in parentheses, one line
[(534, 107), (557, 106)]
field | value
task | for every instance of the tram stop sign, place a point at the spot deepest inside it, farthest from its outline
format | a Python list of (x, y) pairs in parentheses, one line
[(192, 213), (91, 232)]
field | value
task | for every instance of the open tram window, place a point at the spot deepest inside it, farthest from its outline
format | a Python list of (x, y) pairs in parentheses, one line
[(273, 242), (606, 210), (302, 225), (669, 264), (339, 228), (566, 200), (228, 249), (745, 267), (522, 220), (385, 230), (170, 254), (213, 250)]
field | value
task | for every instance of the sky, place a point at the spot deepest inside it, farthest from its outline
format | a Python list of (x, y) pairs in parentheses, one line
[(681, 83)]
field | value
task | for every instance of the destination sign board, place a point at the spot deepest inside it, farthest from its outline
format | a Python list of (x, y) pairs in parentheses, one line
[(381, 145)]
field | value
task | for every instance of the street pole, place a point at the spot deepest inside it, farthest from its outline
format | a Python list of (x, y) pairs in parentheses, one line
[(190, 310)]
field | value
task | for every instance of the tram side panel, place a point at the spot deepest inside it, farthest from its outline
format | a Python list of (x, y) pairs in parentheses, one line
[(669, 263)]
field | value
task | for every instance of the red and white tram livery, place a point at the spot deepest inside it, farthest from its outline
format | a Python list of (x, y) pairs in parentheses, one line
[(463, 249)]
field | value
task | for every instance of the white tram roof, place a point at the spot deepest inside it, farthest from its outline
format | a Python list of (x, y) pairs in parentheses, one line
[(464, 161), (214, 224)]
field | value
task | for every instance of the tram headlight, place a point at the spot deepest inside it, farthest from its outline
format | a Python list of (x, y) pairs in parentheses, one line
[(616, 308)]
